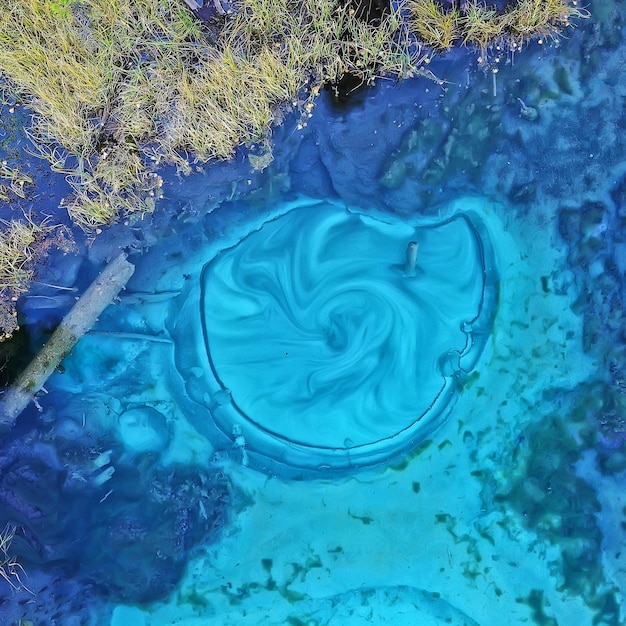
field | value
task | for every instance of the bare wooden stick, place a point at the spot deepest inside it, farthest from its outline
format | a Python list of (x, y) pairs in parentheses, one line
[(74, 325), (411, 258)]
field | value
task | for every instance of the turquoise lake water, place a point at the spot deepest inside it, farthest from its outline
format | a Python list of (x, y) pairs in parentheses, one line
[(287, 419)]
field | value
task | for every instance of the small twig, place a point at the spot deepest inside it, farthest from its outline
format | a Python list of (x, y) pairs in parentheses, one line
[(106, 495)]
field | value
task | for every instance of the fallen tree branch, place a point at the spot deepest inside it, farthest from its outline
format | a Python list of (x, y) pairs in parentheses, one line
[(74, 325)]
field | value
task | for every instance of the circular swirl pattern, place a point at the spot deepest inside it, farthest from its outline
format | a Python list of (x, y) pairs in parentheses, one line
[(321, 346)]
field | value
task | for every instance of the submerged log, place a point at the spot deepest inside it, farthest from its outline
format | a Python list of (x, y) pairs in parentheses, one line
[(74, 325)]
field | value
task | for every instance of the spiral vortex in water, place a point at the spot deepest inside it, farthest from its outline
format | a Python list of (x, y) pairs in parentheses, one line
[(321, 347)]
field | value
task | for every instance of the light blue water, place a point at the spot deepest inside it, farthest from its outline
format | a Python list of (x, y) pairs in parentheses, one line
[(279, 422)]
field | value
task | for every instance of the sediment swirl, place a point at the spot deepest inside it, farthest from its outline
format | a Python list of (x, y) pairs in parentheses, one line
[(322, 336)]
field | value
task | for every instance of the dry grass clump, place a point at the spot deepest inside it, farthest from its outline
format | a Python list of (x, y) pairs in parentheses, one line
[(67, 75), (22, 243), (214, 94), (434, 25), (482, 26), (16, 181), (530, 19), (17, 240)]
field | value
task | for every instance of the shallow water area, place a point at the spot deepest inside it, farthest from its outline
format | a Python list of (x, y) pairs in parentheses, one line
[(279, 421)]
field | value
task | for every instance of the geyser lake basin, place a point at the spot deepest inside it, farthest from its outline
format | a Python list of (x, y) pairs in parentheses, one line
[(506, 507)]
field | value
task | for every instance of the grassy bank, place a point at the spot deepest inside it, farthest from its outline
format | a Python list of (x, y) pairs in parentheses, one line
[(119, 88), (484, 27)]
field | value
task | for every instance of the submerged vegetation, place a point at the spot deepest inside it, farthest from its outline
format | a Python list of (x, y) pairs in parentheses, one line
[(119, 88), (10, 568)]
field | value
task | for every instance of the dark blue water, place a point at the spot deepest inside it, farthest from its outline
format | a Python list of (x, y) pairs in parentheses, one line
[(283, 421)]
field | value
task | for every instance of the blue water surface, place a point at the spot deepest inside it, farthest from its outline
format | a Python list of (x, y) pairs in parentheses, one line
[(282, 420)]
